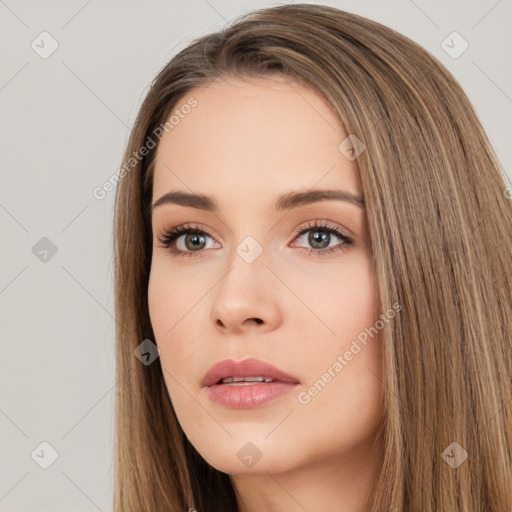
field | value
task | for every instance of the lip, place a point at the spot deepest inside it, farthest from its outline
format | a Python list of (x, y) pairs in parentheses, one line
[(249, 367), (239, 396)]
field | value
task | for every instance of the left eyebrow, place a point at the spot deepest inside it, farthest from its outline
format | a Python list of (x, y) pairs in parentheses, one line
[(284, 202), (294, 199)]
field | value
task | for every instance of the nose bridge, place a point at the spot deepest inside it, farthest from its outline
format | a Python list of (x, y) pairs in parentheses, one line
[(249, 237), (246, 268), (244, 292)]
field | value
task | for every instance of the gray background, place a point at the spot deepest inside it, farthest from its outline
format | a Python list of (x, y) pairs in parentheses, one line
[(64, 124)]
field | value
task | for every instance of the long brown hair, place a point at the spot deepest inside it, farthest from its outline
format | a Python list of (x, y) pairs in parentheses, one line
[(440, 230)]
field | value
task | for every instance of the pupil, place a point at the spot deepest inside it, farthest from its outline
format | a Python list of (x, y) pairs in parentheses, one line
[(195, 239), (317, 237)]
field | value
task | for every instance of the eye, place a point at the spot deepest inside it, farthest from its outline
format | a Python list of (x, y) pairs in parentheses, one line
[(194, 239), (189, 240), (321, 233)]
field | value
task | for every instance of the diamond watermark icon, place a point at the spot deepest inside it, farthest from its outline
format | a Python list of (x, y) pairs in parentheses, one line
[(249, 454), (249, 249), (454, 45), (44, 250), (351, 147), (147, 352), (44, 45), (44, 455), (454, 455)]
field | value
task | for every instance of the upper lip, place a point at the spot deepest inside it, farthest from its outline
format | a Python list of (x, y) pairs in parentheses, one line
[(249, 367)]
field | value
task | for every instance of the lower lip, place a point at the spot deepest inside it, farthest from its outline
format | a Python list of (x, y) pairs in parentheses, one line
[(253, 395)]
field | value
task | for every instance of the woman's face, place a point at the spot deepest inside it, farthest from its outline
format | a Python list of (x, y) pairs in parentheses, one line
[(249, 285)]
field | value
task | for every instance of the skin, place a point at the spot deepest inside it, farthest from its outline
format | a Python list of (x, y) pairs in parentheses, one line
[(244, 144)]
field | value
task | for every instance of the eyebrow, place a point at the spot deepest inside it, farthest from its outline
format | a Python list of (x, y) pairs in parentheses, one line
[(284, 202)]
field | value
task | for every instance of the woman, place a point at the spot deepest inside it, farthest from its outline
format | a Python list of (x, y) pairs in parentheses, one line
[(312, 255)]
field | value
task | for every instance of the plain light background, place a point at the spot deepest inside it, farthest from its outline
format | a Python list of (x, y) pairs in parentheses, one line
[(64, 123)]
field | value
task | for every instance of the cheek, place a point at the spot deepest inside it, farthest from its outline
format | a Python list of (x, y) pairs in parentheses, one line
[(169, 302), (354, 282), (344, 302), (352, 402), (176, 310), (341, 297), (355, 296), (170, 297)]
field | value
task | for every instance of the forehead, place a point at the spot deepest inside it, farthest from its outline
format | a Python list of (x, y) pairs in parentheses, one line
[(251, 137)]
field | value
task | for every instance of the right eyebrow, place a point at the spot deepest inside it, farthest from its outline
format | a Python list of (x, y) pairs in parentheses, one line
[(198, 201)]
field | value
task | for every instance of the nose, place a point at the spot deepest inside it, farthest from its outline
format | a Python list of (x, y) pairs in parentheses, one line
[(246, 299)]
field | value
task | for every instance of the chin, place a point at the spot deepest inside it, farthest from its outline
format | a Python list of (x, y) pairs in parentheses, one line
[(245, 458)]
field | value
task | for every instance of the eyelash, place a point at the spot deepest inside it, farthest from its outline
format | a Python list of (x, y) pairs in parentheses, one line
[(169, 237)]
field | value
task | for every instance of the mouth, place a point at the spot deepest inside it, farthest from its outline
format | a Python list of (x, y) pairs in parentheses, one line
[(247, 384), (247, 372)]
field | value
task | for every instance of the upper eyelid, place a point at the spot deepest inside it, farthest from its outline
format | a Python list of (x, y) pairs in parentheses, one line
[(323, 224), (318, 223)]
